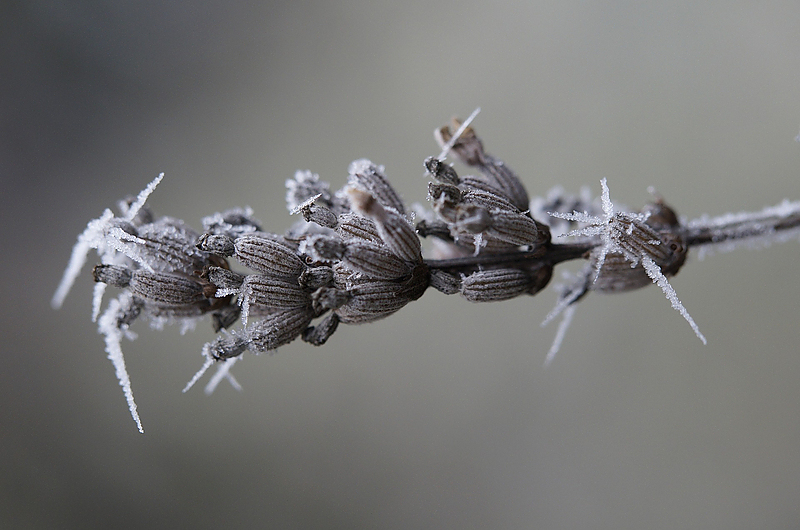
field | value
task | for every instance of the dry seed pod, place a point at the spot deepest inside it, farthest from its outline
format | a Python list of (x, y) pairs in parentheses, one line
[(314, 213), (272, 292), (324, 248), (617, 274), (370, 177), (445, 282), (268, 256), (396, 233), (496, 284), (375, 262), (319, 334), (222, 278), (167, 245), (372, 300), (352, 225), (219, 244), (469, 149), (315, 277), (517, 229), (277, 329), (442, 172), (158, 287)]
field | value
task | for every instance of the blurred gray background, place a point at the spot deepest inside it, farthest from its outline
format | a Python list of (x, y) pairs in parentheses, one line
[(443, 415)]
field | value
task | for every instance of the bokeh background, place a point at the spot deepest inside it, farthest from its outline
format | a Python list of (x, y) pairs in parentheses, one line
[(443, 415)]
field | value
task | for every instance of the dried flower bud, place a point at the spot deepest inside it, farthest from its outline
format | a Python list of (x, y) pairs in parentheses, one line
[(221, 245), (315, 213), (496, 284), (273, 293), (488, 200), (375, 262), (442, 172), (319, 334), (224, 279), (445, 282), (372, 300), (112, 275), (315, 277), (227, 346), (395, 231), (234, 223), (370, 177), (326, 298), (158, 287), (469, 149), (277, 329), (353, 225), (303, 186), (268, 255), (517, 229), (323, 248), (167, 245)]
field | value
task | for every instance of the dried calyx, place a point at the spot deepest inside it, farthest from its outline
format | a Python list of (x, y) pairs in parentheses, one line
[(356, 257)]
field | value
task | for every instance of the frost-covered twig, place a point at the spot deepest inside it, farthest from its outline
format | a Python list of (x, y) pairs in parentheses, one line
[(355, 257)]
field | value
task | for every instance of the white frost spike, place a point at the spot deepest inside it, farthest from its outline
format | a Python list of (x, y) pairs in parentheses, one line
[(566, 320), (97, 299), (142, 198), (655, 274), (223, 372), (456, 135), (196, 377), (113, 337), (94, 237), (91, 237)]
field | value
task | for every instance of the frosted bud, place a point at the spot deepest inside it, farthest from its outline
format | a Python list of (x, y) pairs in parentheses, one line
[(496, 284), (445, 282), (395, 231), (469, 149), (317, 214), (112, 275), (315, 277), (517, 229), (223, 278), (374, 261), (234, 223), (159, 287), (227, 346), (268, 255), (372, 300), (324, 248), (488, 200), (271, 292), (326, 298), (277, 329), (353, 225), (319, 334), (442, 172), (303, 186), (221, 245), (370, 177)]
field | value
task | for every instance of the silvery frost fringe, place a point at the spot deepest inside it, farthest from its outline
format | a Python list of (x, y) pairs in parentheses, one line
[(356, 256)]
